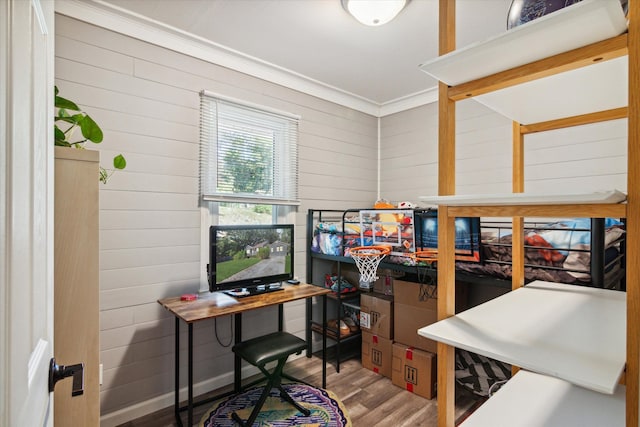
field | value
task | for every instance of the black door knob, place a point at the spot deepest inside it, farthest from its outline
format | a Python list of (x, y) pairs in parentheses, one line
[(58, 372)]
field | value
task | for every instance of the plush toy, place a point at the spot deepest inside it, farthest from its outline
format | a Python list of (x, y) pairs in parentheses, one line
[(383, 204)]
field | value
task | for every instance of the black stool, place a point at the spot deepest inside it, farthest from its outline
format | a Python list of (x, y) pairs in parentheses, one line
[(261, 350)]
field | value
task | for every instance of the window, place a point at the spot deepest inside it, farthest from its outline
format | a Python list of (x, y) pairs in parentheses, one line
[(248, 166), (248, 154)]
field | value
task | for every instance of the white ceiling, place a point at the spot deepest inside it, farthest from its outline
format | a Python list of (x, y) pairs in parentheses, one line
[(317, 40)]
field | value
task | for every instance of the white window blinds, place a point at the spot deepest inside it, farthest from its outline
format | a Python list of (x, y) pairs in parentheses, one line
[(248, 153)]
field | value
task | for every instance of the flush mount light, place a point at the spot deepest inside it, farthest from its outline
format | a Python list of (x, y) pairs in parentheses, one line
[(374, 12)]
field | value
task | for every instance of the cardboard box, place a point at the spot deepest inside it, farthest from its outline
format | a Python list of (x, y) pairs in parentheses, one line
[(376, 314), (414, 309), (414, 370), (376, 353)]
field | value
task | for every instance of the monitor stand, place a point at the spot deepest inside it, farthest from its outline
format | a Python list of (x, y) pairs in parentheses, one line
[(254, 290)]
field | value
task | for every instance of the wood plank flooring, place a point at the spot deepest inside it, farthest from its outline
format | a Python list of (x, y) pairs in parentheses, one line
[(370, 399)]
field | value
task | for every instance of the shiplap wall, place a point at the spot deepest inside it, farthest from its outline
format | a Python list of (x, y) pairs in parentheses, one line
[(579, 159), (146, 99)]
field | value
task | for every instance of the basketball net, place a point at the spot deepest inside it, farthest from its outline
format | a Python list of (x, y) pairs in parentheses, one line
[(426, 262), (367, 259)]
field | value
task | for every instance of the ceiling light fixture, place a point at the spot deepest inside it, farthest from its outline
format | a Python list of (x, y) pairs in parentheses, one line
[(374, 12)]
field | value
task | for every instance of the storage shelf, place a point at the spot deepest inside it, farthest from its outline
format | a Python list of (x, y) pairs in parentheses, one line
[(531, 399), (595, 205), (519, 199), (550, 328), (571, 28), (333, 333)]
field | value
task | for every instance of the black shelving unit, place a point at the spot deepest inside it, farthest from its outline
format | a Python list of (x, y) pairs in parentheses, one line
[(349, 345)]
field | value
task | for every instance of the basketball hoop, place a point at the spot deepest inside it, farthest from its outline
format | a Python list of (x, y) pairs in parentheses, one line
[(427, 257), (426, 262), (367, 259)]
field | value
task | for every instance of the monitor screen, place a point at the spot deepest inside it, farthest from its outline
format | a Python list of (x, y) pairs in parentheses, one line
[(467, 235), (249, 256)]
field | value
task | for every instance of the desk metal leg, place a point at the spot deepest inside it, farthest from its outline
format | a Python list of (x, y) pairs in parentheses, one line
[(177, 374), (308, 315), (190, 374), (324, 341), (237, 363)]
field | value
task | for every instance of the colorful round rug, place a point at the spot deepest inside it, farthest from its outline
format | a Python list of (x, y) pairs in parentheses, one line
[(326, 409)]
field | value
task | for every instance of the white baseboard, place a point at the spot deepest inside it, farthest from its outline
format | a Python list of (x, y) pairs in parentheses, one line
[(166, 400)]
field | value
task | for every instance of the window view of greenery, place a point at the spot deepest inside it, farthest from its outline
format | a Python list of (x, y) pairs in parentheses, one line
[(252, 253), (245, 162), (243, 213)]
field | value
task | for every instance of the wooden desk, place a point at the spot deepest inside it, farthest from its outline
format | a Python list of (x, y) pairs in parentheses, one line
[(209, 306)]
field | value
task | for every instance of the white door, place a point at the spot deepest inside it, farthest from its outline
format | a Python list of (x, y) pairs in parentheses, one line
[(26, 211)]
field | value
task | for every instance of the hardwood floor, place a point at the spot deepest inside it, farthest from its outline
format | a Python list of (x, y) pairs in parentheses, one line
[(370, 399)]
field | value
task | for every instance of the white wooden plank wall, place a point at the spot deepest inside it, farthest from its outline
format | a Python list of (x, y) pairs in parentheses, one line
[(567, 160), (146, 100)]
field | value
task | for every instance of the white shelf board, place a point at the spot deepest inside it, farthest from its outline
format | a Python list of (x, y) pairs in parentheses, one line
[(534, 400), (598, 87), (570, 332), (578, 25), (598, 197)]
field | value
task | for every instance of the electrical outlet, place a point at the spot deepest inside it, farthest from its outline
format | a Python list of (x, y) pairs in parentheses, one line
[(100, 375)]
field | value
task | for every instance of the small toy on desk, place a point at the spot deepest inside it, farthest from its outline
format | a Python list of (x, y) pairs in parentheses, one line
[(189, 297)]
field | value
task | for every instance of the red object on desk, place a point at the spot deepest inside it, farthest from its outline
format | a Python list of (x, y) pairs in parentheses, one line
[(189, 297)]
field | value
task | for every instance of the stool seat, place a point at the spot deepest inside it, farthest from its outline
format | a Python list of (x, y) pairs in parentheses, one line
[(276, 346), (268, 348)]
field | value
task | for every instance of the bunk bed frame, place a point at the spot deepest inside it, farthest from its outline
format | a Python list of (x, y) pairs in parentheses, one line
[(625, 44), (486, 262)]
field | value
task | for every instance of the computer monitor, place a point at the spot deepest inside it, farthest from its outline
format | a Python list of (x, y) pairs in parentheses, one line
[(248, 259), (467, 244)]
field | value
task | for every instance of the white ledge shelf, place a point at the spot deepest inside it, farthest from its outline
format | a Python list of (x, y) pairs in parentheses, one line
[(569, 332), (598, 87), (531, 399), (513, 199), (578, 25)]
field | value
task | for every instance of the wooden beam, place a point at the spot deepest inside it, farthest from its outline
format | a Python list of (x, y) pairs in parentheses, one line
[(633, 224), (517, 222), (616, 210), (517, 276), (583, 119), (446, 107), (446, 226), (596, 52)]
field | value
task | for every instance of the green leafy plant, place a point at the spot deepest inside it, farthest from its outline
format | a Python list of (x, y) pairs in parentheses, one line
[(77, 119)]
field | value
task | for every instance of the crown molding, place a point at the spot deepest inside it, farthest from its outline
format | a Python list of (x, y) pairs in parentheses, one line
[(410, 101), (116, 19)]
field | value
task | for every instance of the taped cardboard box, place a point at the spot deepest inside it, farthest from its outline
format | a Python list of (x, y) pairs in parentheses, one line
[(415, 308), (376, 314), (377, 353), (414, 370)]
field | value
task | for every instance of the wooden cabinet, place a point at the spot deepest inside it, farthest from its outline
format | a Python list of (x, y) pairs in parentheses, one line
[(76, 286), (519, 80)]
